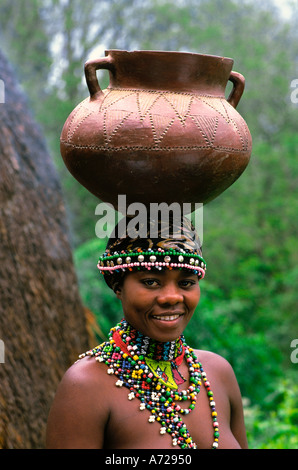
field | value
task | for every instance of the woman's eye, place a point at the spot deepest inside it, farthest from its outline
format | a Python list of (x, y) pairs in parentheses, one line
[(187, 283), (150, 282)]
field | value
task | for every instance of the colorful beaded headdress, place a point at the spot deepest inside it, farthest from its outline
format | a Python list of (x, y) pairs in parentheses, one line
[(180, 248)]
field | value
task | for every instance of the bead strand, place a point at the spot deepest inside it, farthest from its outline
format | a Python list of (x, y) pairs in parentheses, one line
[(164, 403)]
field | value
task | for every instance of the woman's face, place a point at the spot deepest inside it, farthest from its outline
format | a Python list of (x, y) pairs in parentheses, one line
[(159, 303)]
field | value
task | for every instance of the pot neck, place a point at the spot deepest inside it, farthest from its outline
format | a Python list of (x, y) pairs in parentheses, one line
[(169, 71)]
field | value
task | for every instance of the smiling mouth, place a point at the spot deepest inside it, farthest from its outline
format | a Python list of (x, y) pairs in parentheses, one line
[(166, 317)]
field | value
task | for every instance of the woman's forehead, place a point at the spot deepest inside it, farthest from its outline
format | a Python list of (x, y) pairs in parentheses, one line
[(165, 274)]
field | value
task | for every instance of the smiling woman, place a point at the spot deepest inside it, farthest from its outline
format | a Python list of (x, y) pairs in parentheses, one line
[(146, 371), (159, 304)]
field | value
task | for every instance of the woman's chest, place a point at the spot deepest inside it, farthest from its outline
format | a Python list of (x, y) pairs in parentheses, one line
[(132, 426)]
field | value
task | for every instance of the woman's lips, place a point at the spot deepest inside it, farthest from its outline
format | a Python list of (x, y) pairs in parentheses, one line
[(172, 317)]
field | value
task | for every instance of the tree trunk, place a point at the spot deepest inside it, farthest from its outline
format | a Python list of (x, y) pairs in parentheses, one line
[(42, 322)]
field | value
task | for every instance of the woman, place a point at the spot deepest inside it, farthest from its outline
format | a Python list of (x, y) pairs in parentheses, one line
[(145, 388)]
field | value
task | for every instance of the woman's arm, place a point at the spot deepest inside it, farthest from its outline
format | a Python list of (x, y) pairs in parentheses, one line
[(237, 424), (227, 396), (77, 418)]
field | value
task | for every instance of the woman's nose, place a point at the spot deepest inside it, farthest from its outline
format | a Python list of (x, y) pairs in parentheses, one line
[(170, 294)]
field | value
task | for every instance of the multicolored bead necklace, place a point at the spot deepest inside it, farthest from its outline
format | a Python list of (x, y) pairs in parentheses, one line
[(149, 370)]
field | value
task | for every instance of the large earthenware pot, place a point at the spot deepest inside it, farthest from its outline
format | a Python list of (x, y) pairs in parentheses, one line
[(162, 131)]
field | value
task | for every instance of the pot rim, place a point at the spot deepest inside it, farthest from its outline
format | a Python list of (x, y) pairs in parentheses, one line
[(156, 51)]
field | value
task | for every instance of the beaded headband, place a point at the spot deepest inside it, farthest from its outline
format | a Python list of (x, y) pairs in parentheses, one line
[(181, 250), (160, 259)]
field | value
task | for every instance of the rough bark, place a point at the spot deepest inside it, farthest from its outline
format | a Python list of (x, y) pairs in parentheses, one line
[(42, 322)]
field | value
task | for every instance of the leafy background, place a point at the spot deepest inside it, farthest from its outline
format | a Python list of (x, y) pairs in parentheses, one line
[(248, 308)]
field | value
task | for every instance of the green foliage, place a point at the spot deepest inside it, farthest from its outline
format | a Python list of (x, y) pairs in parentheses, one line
[(99, 298), (217, 326), (274, 426)]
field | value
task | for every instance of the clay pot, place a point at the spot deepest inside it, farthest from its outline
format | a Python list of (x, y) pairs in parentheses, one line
[(162, 131)]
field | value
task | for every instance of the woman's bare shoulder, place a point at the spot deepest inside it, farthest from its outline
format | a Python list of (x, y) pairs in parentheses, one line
[(82, 383), (210, 357), (84, 371), (80, 408), (220, 371), (218, 364)]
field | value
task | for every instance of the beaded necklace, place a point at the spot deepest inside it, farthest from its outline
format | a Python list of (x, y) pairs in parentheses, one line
[(149, 369)]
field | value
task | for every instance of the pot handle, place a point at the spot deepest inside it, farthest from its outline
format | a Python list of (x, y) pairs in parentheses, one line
[(90, 73), (238, 87)]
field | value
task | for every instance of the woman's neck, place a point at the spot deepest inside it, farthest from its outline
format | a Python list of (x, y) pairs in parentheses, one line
[(145, 346)]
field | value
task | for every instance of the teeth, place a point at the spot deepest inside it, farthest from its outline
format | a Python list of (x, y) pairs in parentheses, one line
[(167, 318)]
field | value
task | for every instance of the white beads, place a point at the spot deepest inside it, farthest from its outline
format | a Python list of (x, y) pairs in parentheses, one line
[(99, 359)]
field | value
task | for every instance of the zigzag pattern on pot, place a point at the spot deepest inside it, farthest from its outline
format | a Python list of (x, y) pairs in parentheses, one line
[(156, 112)]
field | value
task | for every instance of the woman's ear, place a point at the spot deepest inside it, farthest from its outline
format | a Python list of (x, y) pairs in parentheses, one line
[(118, 291)]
